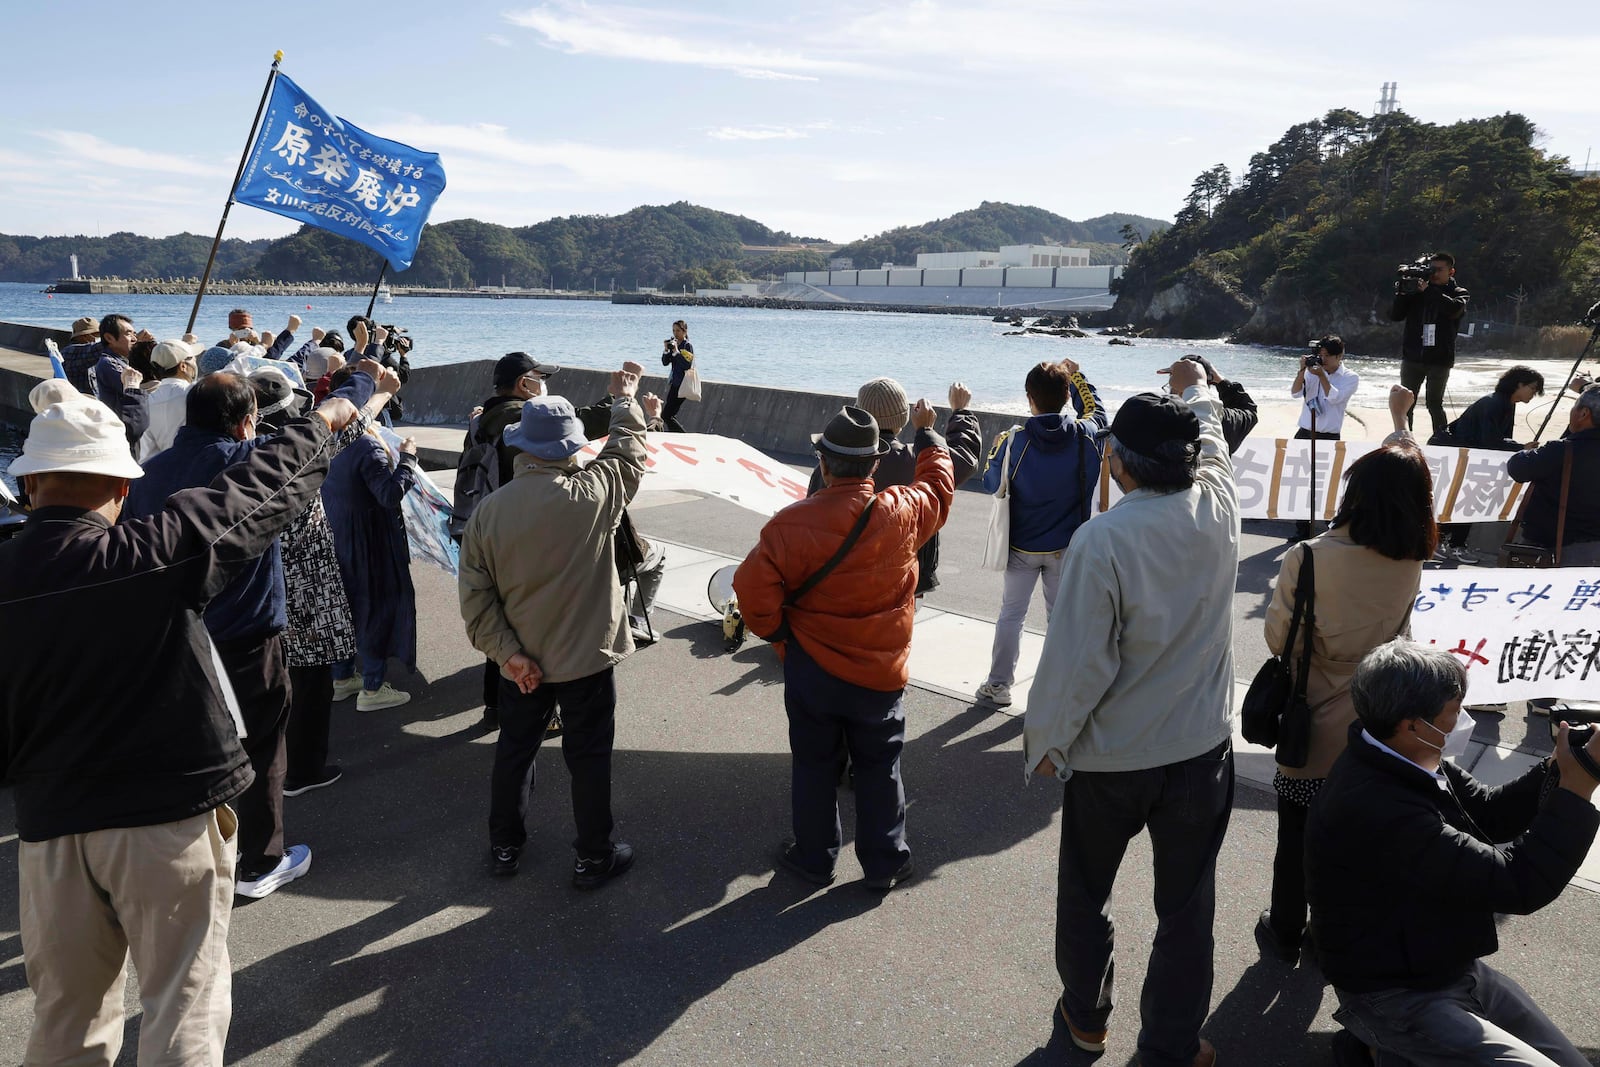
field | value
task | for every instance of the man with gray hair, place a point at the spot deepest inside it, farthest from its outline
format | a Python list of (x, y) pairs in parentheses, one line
[(1405, 878), (1544, 466), (1132, 708)]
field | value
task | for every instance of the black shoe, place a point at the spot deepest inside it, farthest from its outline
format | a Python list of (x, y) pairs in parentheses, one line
[(491, 717), (1349, 1051), (503, 859), (787, 861), (592, 874), (1271, 945), (883, 885), (293, 787)]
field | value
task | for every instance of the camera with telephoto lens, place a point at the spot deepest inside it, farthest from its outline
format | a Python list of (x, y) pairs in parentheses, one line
[(1407, 275)]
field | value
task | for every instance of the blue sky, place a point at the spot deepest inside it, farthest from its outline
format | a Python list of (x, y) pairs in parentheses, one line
[(827, 119)]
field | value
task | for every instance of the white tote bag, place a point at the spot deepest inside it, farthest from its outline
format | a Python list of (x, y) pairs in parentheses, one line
[(689, 388), (997, 546)]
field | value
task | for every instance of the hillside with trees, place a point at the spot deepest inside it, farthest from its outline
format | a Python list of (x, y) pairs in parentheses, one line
[(1307, 240), (121, 255), (992, 224)]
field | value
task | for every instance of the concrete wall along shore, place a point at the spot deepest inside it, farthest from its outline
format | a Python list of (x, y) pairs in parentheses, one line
[(778, 421)]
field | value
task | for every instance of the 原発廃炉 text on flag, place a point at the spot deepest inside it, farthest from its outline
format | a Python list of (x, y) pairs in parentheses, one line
[(307, 164)]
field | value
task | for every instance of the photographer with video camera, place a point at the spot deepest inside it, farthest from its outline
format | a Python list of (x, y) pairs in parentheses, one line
[(1428, 300), (1326, 385), (390, 346), (1406, 879)]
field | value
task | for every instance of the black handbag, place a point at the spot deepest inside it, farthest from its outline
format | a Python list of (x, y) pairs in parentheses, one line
[(1275, 713), (1518, 553)]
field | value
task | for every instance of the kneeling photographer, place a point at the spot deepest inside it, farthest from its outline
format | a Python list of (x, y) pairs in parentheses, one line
[(1431, 304), (1405, 879), (1326, 385)]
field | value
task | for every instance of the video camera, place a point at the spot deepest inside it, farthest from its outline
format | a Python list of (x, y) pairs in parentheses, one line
[(397, 341), (1407, 275)]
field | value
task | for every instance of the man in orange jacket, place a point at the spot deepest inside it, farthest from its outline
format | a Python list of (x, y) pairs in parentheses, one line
[(833, 585)]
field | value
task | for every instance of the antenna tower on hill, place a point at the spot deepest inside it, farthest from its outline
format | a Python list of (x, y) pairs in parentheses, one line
[(1388, 100)]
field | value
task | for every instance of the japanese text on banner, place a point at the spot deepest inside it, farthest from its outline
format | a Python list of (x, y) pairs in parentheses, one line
[(308, 165)]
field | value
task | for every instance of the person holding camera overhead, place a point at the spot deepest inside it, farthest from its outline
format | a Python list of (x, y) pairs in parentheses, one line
[(1326, 385), (1431, 307), (678, 354)]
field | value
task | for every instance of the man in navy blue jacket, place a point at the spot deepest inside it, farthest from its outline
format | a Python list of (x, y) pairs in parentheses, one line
[(1052, 466), (245, 620)]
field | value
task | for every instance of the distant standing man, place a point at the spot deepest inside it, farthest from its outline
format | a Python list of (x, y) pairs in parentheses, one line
[(101, 369), (832, 583), (678, 354), (1132, 708), (553, 619), (1325, 385), (1432, 311)]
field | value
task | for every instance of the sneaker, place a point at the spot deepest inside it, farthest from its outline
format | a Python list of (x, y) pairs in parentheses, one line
[(293, 787), (554, 729), (787, 861), (995, 693), (345, 688), (296, 862), (1463, 554), (592, 874), (1088, 1040), (503, 859), (640, 630), (385, 696), (883, 885)]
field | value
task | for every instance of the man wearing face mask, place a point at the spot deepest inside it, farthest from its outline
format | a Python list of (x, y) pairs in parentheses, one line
[(1405, 878), (1131, 707)]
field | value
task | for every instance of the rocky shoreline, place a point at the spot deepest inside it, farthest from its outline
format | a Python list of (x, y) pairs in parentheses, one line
[(189, 286), (999, 314)]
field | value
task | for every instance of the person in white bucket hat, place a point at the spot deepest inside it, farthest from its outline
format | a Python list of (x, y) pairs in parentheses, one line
[(124, 755)]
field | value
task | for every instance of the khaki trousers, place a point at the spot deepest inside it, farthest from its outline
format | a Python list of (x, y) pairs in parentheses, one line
[(163, 893)]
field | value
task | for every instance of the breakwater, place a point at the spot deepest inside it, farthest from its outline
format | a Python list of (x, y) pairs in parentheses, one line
[(1085, 318)]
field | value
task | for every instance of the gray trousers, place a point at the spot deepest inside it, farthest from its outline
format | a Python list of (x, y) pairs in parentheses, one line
[(1483, 1018), (1023, 570), (1186, 807)]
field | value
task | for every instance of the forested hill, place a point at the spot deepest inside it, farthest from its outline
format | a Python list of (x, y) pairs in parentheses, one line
[(1308, 238), (992, 224), (670, 246)]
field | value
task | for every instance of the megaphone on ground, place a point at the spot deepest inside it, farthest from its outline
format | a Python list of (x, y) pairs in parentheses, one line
[(719, 590)]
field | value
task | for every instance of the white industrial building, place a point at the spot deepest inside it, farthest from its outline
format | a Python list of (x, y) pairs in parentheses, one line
[(1008, 256)]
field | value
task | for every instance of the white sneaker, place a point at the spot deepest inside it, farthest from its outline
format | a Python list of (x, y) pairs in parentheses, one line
[(296, 862), (1463, 554), (345, 688), (995, 693), (385, 696)]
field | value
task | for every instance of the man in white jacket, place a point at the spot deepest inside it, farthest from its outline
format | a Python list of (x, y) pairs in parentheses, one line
[(177, 366), (1132, 708)]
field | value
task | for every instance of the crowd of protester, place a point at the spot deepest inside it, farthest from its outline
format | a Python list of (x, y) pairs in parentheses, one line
[(243, 495)]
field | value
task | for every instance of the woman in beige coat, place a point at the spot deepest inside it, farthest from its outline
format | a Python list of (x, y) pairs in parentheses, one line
[(1368, 565)]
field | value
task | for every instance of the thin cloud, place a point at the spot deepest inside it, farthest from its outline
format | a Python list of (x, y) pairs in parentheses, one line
[(499, 39), (755, 133), (76, 144)]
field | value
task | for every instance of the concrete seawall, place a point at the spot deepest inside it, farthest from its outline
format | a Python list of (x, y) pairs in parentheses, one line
[(773, 420)]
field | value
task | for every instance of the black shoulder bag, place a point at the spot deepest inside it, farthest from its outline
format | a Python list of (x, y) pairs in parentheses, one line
[(822, 572), (1275, 713)]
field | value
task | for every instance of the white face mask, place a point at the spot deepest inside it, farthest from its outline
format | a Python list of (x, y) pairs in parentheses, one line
[(1456, 741)]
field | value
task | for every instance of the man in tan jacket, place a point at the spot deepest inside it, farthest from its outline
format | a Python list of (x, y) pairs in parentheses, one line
[(548, 610)]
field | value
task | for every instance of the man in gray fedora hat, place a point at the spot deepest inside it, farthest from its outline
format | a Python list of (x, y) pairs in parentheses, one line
[(549, 611), (833, 584)]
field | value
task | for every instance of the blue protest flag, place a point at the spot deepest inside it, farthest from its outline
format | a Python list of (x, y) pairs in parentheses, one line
[(309, 165)]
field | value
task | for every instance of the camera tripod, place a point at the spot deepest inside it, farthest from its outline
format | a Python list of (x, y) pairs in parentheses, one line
[(1592, 320)]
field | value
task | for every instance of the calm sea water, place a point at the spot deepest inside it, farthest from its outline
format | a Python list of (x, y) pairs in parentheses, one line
[(826, 351)]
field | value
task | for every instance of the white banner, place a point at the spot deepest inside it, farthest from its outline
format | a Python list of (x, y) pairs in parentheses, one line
[(1520, 633), (716, 466), (1274, 479)]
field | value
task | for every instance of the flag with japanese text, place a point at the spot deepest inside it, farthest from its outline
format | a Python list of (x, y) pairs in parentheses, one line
[(309, 165)]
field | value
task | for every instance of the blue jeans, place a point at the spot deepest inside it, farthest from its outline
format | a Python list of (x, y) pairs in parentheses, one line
[(372, 671), (1484, 1017)]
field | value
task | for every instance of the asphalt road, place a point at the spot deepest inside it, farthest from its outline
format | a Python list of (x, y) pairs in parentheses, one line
[(399, 948)]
